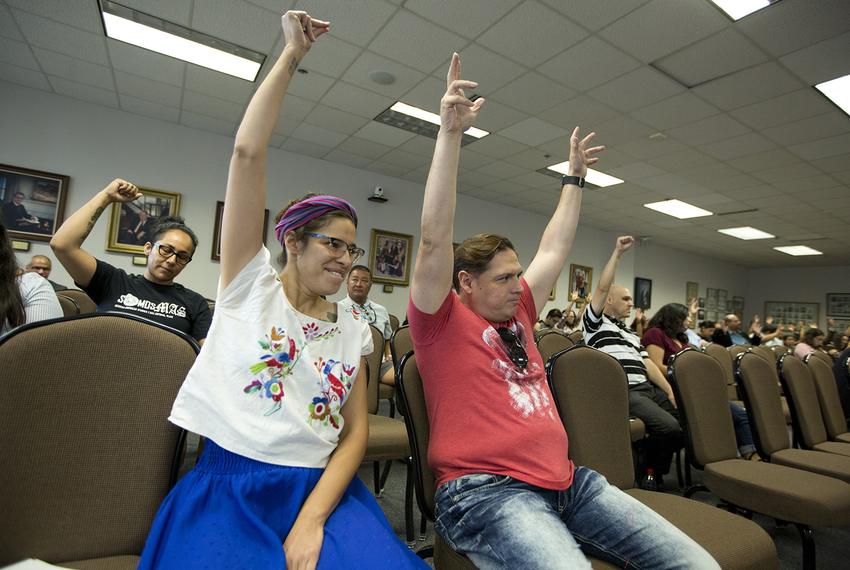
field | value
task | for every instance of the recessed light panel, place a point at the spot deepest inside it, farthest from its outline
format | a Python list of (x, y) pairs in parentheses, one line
[(593, 176), (746, 232), (838, 91), (737, 9), (798, 250), (678, 209)]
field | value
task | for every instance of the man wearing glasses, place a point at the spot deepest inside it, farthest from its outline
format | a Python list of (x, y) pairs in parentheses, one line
[(153, 295)]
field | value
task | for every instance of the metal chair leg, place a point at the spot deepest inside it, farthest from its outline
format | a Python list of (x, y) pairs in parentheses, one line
[(376, 474), (385, 475), (408, 506), (808, 540), (392, 407), (693, 489), (423, 528)]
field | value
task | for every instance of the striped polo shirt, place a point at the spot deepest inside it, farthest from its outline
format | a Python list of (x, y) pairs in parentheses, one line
[(615, 338)]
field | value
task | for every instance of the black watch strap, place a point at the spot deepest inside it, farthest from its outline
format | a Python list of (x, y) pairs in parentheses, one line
[(577, 180)]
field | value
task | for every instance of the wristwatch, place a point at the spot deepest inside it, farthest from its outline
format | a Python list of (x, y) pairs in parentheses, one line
[(577, 180)]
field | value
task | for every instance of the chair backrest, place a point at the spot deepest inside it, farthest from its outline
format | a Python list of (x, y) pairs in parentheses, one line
[(394, 322), (400, 344), (412, 395), (779, 351), (373, 364), (84, 431), (822, 356), (84, 302), (551, 342), (591, 391), (69, 306), (724, 359), (759, 385), (828, 397), (737, 349), (802, 397), (577, 336), (765, 353), (699, 384)]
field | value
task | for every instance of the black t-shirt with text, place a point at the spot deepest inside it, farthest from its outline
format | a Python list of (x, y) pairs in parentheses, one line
[(174, 306)]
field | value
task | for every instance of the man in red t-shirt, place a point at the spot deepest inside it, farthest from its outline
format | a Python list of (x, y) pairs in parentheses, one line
[(508, 496)]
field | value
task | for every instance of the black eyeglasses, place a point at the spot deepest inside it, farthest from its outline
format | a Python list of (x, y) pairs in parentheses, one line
[(167, 251), (516, 352), (338, 247)]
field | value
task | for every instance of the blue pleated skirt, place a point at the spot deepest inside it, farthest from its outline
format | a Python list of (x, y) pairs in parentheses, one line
[(235, 513)]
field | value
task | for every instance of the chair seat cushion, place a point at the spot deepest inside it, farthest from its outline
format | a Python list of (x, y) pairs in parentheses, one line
[(387, 439), (637, 429), (843, 437), (833, 447), (780, 492), (735, 542), (385, 391), (827, 464), (109, 563)]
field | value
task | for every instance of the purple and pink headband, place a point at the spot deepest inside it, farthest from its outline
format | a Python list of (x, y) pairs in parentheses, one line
[(309, 209)]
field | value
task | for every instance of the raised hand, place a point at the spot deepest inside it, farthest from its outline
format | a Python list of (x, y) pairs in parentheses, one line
[(300, 30), (693, 305), (624, 243), (122, 191), (580, 156), (574, 296), (457, 113)]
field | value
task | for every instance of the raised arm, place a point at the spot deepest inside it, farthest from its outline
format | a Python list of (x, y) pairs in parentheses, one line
[(558, 237), (432, 275), (600, 295), (67, 242), (245, 200)]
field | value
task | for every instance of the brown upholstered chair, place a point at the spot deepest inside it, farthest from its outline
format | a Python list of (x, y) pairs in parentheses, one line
[(84, 302), (797, 496), (827, 359), (829, 400), (550, 342), (723, 358), (577, 336), (737, 349), (89, 451), (802, 396), (765, 353), (400, 344), (758, 382), (69, 305), (591, 391), (394, 322), (779, 351)]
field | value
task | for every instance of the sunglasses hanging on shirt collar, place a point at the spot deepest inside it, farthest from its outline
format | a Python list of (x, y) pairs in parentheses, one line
[(516, 352)]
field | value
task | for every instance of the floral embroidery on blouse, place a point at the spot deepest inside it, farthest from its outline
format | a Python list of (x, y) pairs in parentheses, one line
[(358, 316), (336, 381), (278, 361), (311, 332)]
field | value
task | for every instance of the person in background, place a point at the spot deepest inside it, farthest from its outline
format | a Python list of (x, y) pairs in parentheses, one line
[(730, 332), (42, 265), (706, 330), (16, 217), (24, 297), (553, 317), (569, 322), (153, 295), (812, 340)]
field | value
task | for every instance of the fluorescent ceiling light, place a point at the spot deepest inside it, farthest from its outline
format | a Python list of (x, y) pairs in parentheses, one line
[(737, 9), (798, 250), (152, 33), (593, 176), (746, 232), (432, 118), (677, 209), (838, 91)]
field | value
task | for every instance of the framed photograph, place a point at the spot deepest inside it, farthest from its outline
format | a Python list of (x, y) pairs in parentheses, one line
[(33, 202), (581, 280), (838, 304), (130, 223), (792, 312), (738, 306), (723, 301), (711, 299), (643, 293), (840, 325), (691, 291), (701, 302), (389, 257), (216, 243), (700, 315)]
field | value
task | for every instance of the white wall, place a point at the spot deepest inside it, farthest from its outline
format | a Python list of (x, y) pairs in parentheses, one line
[(805, 284)]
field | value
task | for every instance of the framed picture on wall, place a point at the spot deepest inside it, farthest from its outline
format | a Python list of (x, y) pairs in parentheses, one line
[(581, 280), (838, 304), (839, 324), (33, 202), (738, 306), (389, 257), (691, 291), (130, 223), (643, 293), (711, 299), (216, 243), (792, 312), (722, 301)]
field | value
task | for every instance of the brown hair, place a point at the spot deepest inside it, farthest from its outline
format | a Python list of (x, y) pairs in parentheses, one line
[(475, 253), (310, 227)]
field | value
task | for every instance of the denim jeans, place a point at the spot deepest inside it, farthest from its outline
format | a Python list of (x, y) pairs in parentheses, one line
[(500, 522), (743, 434)]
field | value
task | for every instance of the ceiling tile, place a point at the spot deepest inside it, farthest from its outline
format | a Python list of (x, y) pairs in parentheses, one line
[(636, 89), (792, 106), (502, 170), (177, 11), (552, 33), (75, 69), (148, 109), (85, 92), (331, 56), (352, 99), (419, 144), (470, 159), (355, 22), (805, 130), (762, 161), (757, 83), (304, 147), (363, 147), (532, 92), (61, 38), (532, 159), (822, 148), (426, 95), (387, 168), (533, 131), (223, 86), (646, 148), (406, 160), (318, 135), (837, 163), (635, 171), (311, 85), (212, 106), (477, 178), (619, 130), (17, 53), (495, 116), (384, 134), (496, 146), (238, 22), (138, 61), (663, 26), (358, 74), (709, 130), (674, 112), (8, 27), (404, 35), (148, 89), (335, 120), (296, 107), (579, 111), (285, 126), (597, 13), (78, 13), (786, 172), (743, 145), (590, 63), (24, 76), (481, 65), (718, 55), (342, 157), (792, 24), (820, 62), (468, 18)]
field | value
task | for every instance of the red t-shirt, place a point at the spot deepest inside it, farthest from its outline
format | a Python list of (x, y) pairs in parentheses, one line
[(486, 415)]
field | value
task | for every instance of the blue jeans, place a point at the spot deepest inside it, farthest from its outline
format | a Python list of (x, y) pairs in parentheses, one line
[(743, 434), (499, 522)]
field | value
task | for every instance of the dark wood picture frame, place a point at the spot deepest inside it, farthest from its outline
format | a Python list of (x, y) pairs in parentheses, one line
[(41, 210), (215, 254)]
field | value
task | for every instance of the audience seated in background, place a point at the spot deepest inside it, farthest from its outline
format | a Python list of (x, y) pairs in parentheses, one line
[(42, 265), (729, 333), (650, 395), (553, 317), (507, 494), (359, 285), (772, 334), (790, 340), (639, 323), (24, 297), (812, 340), (841, 371), (706, 330), (153, 295), (569, 322)]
